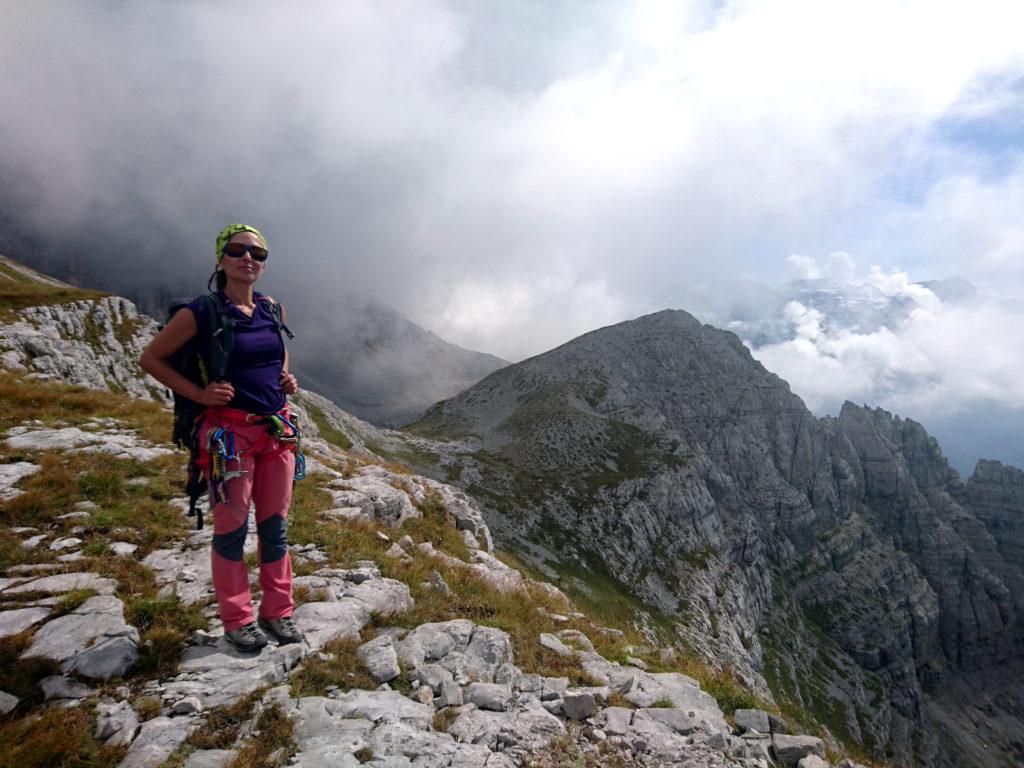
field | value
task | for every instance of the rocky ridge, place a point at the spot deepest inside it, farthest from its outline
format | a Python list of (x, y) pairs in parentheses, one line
[(839, 565)]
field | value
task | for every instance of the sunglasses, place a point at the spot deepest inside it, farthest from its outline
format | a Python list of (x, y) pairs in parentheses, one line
[(237, 250)]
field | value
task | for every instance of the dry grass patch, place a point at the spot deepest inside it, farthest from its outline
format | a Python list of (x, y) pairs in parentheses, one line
[(165, 625), (66, 478), (271, 744), (51, 402), (71, 601), (444, 718), (20, 677), (221, 725), (563, 751), (341, 668), (57, 738)]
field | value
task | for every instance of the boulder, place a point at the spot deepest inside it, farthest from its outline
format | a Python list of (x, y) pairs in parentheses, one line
[(790, 750), (682, 722), (383, 597), (57, 687), (380, 659), (10, 474), (220, 674), (7, 703), (812, 761), (380, 706), (97, 631), (116, 723), (487, 650), (451, 694), (525, 729), (322, 622), (107, 659), (210, 758), (752, 720), (552, 643), (614, 721), (576, 639), (66, 543), (578, 705), (190, 705), (490, 696), (434, 675)]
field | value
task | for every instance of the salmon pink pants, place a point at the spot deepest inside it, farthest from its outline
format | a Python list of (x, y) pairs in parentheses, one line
[(268, 468)]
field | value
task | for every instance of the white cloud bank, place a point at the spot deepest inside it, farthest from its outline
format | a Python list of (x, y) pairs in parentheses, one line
[(936, 361)]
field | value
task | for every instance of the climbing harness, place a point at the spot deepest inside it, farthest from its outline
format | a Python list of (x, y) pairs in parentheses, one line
[(286, 431)]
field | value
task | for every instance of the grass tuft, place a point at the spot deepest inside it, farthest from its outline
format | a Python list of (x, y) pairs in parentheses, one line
[(271, 745), (444, 718), (341, 668), (221, 725), (57, 737), (327, 430)]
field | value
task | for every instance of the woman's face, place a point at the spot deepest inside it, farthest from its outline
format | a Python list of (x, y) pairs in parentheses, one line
[(243, 268)]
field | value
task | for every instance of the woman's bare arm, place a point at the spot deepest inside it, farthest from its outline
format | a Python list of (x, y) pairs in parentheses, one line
[(179, 330)]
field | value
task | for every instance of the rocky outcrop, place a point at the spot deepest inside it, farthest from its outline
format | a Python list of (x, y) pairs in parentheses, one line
[(94, 343), (839, 563)]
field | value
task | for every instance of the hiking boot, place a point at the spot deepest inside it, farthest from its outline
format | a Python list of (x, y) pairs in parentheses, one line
[(247, 638), (283, 629)]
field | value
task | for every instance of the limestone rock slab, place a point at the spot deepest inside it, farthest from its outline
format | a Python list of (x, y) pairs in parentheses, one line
[(157, 740), (220, 674), (65, 582), (11, 474), (20, 619), (87, 630), (322, 622)]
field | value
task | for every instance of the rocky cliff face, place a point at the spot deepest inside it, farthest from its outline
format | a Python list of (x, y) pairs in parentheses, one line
[(91, 343), (840, 563)]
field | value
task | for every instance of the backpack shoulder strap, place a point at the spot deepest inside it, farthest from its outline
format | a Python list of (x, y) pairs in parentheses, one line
[(222, 336), (275, 313)]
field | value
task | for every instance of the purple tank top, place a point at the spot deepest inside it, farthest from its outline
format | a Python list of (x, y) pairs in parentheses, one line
[(254, 369)]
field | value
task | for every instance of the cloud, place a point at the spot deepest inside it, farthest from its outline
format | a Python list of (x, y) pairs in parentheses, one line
[(510, 175), (932, 362)]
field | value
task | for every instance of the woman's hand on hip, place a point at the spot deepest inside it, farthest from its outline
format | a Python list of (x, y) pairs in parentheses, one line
[(289, 384), (216, 393)]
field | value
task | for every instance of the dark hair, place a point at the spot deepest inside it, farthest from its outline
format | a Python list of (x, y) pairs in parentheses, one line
[(220, 278)]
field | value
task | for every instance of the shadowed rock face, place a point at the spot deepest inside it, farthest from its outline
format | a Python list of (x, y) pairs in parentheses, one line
[(840, 561)]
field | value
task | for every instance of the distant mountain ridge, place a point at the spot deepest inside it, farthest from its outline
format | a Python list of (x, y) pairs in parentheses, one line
[(839, 562), (379, 365)]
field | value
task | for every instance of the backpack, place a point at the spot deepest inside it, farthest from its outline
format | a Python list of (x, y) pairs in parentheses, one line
[(190, 363)]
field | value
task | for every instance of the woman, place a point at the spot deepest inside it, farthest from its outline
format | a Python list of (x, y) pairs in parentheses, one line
[(235, 443)]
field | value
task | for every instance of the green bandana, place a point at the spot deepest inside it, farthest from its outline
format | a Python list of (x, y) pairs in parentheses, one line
[(230, 231)]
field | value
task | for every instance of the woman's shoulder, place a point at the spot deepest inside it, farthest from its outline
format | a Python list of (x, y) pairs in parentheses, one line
[(264, 298)]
